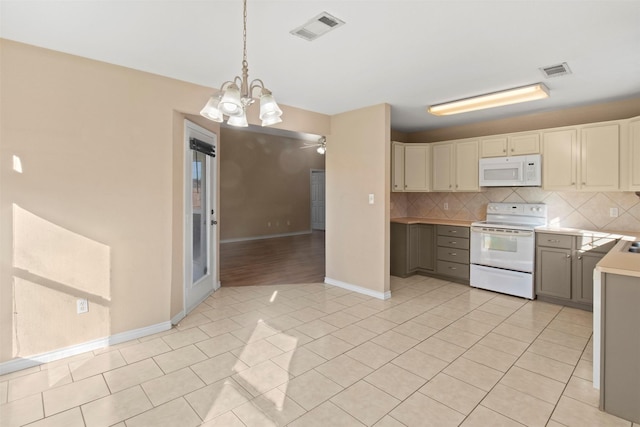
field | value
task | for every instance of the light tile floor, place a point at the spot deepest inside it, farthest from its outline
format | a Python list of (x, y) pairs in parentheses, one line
[(435, 354)]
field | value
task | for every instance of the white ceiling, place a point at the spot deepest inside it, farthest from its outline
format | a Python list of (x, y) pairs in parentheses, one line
[(410, 54)]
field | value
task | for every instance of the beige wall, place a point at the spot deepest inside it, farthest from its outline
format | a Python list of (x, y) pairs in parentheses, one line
[(96, 210), (358, 164), (264, 184)]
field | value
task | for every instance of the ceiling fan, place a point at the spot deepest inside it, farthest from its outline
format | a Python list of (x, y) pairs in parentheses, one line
[(320, 146)]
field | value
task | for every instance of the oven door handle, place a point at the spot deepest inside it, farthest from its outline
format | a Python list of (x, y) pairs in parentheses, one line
[(518, 233)]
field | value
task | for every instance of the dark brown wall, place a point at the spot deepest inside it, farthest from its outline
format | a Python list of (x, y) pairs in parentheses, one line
[(264, 179)]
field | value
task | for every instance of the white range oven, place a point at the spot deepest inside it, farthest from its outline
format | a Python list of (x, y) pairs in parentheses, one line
[(503, 248)]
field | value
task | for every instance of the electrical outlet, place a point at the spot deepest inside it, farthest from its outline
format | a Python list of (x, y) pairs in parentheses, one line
[(613, 212), (371, 199), (446, 206), (82, 305)]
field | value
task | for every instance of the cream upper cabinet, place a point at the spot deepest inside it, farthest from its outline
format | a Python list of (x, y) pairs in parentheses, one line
[(634, 155), (397, 162), (522, 144), (510, 145), (588, 164), (442, 166), (493, 147), (466, 166), (417, 159), (600, 158), (559, 159), (454, 166)]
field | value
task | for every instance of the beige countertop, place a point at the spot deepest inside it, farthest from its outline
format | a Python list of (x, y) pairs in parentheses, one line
[(618, 260), (625, 235), (440, 221)]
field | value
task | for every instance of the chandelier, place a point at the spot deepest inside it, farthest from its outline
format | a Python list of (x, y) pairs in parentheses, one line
[(234, 97)]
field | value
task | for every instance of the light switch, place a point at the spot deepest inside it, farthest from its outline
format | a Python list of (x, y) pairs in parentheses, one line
[(371, 199)]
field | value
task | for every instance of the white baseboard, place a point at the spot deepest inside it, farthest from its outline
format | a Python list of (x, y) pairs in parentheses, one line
[(269, 236), (61, 353), (178, 317), (358, 289)]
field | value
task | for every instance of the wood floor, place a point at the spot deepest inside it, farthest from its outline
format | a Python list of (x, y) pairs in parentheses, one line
[(281, 260)]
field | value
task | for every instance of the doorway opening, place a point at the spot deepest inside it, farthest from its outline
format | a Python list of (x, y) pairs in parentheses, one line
[(266, 230)]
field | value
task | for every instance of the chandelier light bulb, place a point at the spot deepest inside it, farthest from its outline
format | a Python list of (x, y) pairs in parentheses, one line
[(238, 121), (211, 110), (269, 120), (268, 105), (231, 104)]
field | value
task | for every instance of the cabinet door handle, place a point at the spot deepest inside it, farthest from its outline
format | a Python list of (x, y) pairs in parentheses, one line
[(568, 256), (453, 231), (453, 254), (553, 241), (504, 150), (452, 268), (573, 183), (453, 243), (584, 183), (512, 150), (580, 258)]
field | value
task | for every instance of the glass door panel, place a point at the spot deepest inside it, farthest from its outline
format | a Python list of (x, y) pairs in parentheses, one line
[(199, 207)]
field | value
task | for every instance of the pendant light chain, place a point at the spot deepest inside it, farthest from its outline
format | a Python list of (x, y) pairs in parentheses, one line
[(244, 34)]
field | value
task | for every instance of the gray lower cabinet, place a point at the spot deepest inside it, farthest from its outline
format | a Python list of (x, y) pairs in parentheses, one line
[(412, 249), (620, 348), (431, 250), (453, 252), (564, 267), (426, 259)]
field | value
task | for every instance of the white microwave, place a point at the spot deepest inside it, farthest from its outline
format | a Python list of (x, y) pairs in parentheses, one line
[(514, 171)]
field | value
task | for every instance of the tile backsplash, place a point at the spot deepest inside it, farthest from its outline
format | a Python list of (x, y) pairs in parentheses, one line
[(588, 211)]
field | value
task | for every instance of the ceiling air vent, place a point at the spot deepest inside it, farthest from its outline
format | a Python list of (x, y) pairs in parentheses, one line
[(317, 26), (556, 70)]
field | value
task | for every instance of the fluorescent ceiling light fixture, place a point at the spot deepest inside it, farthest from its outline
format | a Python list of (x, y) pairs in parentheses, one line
[(496, 99)]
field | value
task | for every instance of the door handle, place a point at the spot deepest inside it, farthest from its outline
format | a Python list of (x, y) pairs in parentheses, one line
[(214, 222)]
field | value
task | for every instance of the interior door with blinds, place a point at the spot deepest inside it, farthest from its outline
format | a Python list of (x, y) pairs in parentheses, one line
[(200, 215)]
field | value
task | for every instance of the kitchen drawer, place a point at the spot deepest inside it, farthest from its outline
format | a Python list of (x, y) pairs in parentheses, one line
[(554, 240), (453, 255), (453, 242), (452, 230), (453, 269)]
